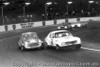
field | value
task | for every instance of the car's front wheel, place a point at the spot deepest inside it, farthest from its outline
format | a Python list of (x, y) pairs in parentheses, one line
[(78, 46), (42, 46), (45, 45), (57, 47), (22, 48)]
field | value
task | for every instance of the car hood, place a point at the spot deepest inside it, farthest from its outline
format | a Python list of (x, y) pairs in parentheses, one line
[(65, 39)]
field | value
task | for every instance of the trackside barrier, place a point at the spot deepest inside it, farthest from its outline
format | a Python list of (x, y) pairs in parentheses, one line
[(2, 28), (18, 26), (90, 18), (45, 23), (10, 27), (50, 22), (78, 19), (96, 18), (86, 19), (72, 20), (59, 21), (37, 24), (27, 25)]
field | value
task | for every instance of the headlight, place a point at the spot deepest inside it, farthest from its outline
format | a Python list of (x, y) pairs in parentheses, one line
[(79, 25), (72, 25), (79, 41), (40, 41), (26, 43), (58, 27), (65, 26)]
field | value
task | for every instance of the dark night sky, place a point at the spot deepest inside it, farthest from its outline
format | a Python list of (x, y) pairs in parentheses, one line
[(58, 1), (38, 6)]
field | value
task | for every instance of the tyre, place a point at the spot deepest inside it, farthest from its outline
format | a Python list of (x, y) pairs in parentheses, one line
[(57, 47), (78, 46), (22, 48), (84, 26), (42, 46), (19, 46), (45, 45)]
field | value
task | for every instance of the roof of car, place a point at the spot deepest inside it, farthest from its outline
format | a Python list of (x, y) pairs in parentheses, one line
[(58, 31), (28, 33)]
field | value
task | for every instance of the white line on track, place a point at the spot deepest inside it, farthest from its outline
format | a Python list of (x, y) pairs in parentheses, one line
[(91, 49)]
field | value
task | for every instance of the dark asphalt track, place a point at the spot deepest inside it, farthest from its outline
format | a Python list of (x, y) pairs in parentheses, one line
[(11, 56)]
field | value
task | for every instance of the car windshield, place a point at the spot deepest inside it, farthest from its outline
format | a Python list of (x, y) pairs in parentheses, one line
[(62, 34), (30, 36)]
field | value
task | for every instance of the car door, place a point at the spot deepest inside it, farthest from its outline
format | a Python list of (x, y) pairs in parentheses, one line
[(52, 36), (49, 39)]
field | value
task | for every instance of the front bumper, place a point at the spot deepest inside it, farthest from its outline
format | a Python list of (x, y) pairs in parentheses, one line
[(32, 46), (70, 46)]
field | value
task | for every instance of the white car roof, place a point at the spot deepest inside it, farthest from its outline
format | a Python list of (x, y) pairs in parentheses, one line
[(57, 31), (25, 33)]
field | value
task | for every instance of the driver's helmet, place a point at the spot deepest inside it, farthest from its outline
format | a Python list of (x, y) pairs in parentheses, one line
[(59, 35)]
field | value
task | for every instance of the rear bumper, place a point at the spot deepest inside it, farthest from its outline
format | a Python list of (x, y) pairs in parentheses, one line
[(63, 27)]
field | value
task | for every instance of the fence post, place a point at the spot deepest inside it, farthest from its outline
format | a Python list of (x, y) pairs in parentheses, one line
[(43, 23), (6, 27), (66, 21), (55, 21)]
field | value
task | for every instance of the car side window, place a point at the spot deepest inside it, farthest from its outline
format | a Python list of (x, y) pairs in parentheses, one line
[(52, 35)]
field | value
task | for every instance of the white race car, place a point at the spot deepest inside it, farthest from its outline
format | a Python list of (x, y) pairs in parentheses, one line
[(64, 26), (62, 39), (29, 40), (72, 25), (78, 25)]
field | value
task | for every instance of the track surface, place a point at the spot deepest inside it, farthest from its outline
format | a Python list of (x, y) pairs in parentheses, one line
[(11, 56)]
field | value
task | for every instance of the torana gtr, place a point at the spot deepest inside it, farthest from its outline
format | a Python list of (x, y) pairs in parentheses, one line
[(62, 39)]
